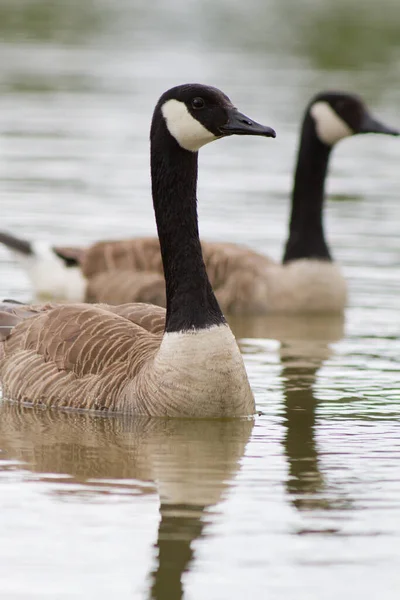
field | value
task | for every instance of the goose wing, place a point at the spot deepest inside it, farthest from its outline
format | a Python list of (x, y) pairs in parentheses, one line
[(139, 254), (226, 260), (131, 271), (238, 276), (143, 254), (122, 286), (147, 316), (75, 356)]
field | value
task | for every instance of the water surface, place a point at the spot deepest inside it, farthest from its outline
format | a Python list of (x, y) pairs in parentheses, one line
[(305, 501)]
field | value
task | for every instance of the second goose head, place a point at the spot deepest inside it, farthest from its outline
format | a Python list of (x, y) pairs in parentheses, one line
[(337, 115), (329, 118)]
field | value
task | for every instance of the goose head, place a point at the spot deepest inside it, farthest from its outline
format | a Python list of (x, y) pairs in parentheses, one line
[(196, 114), (338, 115)]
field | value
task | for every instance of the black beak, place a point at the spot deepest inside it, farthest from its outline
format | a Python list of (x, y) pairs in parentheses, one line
[(371, 125), (239, 124)]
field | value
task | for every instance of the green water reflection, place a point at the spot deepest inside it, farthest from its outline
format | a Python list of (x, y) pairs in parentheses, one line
[(332, 34), (51, 20)]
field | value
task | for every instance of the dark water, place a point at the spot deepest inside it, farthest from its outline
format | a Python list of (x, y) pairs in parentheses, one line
[(304, 502)]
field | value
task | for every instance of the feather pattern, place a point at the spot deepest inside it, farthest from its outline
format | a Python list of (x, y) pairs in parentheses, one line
[(244, 281), (113, 358), (77, 356), (131, 271)]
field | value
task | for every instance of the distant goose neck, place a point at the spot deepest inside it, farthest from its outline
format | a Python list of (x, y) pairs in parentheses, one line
[(306, 233), (191, 303)]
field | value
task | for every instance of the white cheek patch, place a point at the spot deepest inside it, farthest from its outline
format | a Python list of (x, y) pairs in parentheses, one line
[(330, 127), (188, 132)]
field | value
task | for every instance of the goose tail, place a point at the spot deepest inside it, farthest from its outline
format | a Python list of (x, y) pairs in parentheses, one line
[(21, 247), (54, 272)]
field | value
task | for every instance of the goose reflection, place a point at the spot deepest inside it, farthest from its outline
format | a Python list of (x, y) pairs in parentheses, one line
[(305, 480), (190, 464), (304, 347), (308, 329), (302, 353), (206, 460)]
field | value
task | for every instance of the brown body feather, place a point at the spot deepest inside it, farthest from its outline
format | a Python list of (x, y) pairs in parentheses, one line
[(77, 356), (244, 281), (117, 359), (131, 271)]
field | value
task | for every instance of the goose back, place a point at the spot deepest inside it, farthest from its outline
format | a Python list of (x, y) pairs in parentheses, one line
[(244, 281), (131, 271)]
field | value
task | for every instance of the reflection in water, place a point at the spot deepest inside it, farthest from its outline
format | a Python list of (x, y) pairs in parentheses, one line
[(366, 36), (205, 463), (304, 348), (46, 20), (309, 329), (331, 34), (179, 526), (305, 481), (191, 462), (306, 484)]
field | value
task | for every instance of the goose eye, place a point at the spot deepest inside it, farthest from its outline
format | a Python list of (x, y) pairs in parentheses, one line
[(198, 103)]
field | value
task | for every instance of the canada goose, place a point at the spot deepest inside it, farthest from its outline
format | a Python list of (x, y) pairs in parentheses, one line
[(244, 281), (124, 358)]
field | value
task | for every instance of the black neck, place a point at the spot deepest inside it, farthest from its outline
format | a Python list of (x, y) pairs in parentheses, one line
[(304, 478), (306, 233), (191, 303), (179, 527)]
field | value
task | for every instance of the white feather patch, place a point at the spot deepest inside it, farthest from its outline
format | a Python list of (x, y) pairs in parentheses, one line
[(50, 277), (188, 131), (330, 127), (198, 373), (201, 345), (306, 286)]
